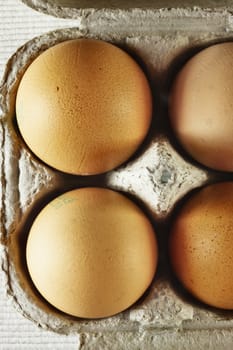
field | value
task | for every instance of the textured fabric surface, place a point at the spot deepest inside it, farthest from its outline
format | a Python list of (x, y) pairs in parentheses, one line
[(17, 333), (19, 23)]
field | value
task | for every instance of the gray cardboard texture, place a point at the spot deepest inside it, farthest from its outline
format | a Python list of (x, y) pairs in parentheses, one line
[(127, 4)]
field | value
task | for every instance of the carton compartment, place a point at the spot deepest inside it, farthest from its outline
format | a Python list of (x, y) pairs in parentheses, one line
[(157, 177), (126, 4)]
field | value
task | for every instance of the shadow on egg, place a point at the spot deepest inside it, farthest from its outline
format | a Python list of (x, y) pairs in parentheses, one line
[(176, 284), (17, 251), (173, 71)]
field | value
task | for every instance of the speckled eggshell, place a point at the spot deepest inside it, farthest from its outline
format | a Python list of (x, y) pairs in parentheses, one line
[(84, 106), (201, 244)]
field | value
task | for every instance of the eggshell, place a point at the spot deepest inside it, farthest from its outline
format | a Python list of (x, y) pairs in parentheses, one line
[(84, 106), (91, 252), (201, 244), (201, 107)]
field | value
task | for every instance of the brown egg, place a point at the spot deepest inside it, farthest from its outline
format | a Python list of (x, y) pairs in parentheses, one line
[(201, 244), (91, 253), (84, 106), (201, 107)]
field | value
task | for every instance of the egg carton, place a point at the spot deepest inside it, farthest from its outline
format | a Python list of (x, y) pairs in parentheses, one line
[(74, 8), (158, 177)]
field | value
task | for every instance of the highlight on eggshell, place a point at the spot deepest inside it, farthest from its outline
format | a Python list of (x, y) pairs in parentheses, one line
[(201, 242), (201, 107), (91, 253), (84, 106)]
